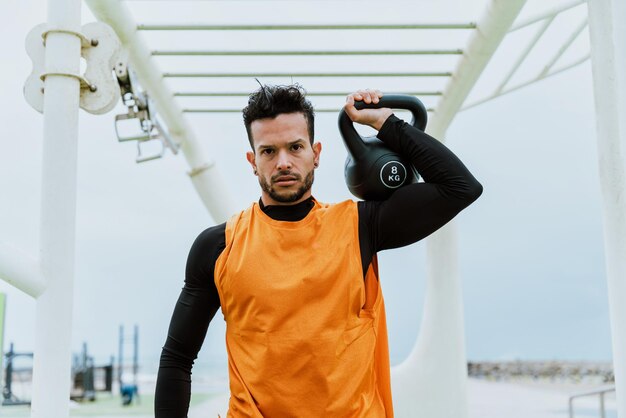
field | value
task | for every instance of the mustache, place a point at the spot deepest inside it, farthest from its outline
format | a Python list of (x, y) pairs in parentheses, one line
[(286, 173)]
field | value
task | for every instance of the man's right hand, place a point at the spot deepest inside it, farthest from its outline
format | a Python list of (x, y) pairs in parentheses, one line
[(371, 117)]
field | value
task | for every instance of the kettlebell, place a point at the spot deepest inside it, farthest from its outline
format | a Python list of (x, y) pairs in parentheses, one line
[(373, 171)]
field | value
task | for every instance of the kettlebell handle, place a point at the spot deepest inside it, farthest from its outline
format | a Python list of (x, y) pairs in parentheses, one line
[(354, 141)]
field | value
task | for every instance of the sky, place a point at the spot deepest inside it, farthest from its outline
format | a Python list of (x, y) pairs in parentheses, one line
[(531, 248)]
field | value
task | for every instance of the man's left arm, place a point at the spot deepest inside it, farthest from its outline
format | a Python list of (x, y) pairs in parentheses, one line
[(417, 210)]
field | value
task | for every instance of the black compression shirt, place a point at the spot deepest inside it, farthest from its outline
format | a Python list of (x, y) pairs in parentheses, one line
[(409, 215)]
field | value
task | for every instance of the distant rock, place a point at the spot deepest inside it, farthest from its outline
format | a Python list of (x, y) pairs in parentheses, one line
[(564, 371)]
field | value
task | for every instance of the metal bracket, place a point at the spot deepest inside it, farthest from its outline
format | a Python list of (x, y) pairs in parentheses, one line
[(100, 48), (84, 83), (84, 41), (140, 107)]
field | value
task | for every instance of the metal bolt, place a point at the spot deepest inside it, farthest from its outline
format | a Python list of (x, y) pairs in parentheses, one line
[(93, 88), (94, 42)]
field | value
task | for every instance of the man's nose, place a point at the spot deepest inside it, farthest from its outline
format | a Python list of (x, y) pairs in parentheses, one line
[(284, 161)]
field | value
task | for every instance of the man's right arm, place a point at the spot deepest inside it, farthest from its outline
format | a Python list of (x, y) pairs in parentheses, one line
[(197, 304)]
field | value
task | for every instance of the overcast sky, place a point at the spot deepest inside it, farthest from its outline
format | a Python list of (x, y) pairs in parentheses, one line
[(531, 248)]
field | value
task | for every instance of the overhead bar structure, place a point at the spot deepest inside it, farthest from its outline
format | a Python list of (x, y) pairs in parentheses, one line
[(202, 27), (317, 110), (204, 173), (547, 70), (547, 14), (574, 35), (318, 94), (305, 53), (542, 29), (324, 75), (540, 77)]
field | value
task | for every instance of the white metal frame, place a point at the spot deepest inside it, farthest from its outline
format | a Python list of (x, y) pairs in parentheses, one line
[(52, 354), (608, 47), (547, 71), (432, 380), (204, 173)]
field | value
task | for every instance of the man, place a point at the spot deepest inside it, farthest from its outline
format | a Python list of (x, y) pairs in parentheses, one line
[(297, 280)]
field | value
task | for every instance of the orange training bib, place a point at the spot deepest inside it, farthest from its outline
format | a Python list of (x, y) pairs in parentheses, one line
[(306, 336)]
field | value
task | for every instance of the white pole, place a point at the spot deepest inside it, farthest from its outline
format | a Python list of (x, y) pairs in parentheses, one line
[(52, 355), (432, 381), (204, 173), (608, 53)]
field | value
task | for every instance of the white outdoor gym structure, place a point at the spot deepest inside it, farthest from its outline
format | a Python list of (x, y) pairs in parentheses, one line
[(431, 382)]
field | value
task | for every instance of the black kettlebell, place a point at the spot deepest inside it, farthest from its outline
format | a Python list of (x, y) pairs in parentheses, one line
[(373, 171)]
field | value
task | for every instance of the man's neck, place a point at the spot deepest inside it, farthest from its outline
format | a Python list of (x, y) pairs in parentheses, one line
[(292, 213)]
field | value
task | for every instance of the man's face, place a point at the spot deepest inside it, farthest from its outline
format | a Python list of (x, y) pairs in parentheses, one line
[(283, 158)]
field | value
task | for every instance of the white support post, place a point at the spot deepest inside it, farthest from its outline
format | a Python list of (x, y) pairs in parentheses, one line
[(204, 174), (608, 53), (52, 354), (432, 381)]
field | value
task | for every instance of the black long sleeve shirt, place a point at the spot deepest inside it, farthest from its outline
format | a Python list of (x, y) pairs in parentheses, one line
[(409, 215)]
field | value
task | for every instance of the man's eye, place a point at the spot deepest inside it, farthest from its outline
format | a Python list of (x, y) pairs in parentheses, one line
[(267, 151), (297, 147)]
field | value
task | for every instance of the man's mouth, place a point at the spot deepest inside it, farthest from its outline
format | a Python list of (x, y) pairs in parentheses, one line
[(285, 181)]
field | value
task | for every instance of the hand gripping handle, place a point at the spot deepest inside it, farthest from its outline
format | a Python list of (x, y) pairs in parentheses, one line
[(354, 141)]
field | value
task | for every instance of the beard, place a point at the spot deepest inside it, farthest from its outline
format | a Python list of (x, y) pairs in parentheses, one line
[(287, 196)]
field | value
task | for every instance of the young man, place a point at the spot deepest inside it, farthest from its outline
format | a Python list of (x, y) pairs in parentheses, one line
[(297, 280)]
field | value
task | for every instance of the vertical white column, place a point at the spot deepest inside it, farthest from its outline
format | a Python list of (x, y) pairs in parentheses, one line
[(608, 53), (432, 381), (52, 355)]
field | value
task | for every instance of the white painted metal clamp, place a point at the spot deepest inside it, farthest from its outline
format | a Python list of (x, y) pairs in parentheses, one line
[(100, 48), (140, 109)]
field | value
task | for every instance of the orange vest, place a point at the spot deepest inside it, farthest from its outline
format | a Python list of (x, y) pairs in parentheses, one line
[(306, 336)]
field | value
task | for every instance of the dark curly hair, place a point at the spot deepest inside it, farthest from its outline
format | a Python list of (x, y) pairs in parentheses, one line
[(270, 101)]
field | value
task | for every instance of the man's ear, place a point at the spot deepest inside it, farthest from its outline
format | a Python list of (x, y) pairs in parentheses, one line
[(251, 159), (317, 150)]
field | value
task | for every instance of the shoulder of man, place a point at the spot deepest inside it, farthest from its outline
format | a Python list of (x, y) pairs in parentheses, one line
[(210, 237)]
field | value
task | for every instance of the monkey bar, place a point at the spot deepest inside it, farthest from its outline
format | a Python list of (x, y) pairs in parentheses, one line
[(177, 53), (204, 173), (162, 27)]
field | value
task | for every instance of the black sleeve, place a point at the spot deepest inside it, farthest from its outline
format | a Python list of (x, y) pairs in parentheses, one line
[(416, 210), (197, 304)]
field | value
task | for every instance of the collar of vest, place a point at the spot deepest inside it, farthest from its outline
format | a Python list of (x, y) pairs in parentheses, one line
[(290, 213), (293, 216)]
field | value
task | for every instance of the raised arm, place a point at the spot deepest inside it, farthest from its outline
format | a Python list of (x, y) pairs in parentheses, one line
[(196, 306), (416, 210)]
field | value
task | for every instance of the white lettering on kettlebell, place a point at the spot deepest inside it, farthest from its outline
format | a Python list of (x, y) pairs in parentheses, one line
[(394, 172)]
